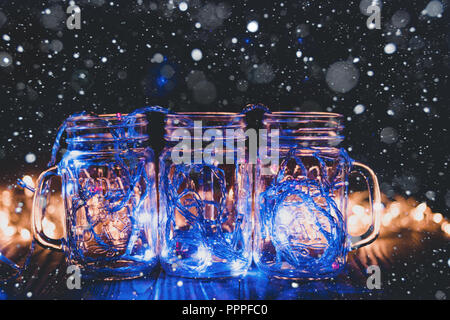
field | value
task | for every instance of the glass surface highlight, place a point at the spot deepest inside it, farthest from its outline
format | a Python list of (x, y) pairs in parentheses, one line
[(301, 203), (205, 207), (109, 192)]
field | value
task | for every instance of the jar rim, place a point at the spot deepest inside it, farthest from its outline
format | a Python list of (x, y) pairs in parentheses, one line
[(309, 127), (311, 120), (301, 114), (189, 122), (107, 116), (206, 114), (105, 121)]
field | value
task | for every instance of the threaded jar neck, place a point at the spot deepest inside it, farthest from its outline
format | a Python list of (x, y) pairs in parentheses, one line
[(309, 129)]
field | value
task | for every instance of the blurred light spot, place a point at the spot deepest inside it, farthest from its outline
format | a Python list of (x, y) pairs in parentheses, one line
[(25, 234), (253, 26), (157, 58), (390, 48), (197, 54), (419, 211), (30, 157), (4, 220), (5, 59), (359, 109), (446, 228), (10, 231), (48, 227), (183, 6), (437, 217)]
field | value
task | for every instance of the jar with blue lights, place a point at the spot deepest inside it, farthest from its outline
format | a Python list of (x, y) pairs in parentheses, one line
[(301, 196), (205, 196), (109, 193)]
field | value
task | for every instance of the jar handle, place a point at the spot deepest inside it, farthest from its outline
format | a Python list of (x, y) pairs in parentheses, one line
[(374, 206), (39, 207)]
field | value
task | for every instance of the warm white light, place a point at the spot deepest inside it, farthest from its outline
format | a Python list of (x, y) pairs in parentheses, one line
[(378, 206), (202, 253), (25, 234), (10, 231), (366, 219), (6, 198), (4, 220), (418, 216), (51, 209), (148, 255), (358, 210), (386, 220), (28, 181), (204, 258), (145, 218), (437, 217), (419, 211), (49, 227), (395, 209), (353, 223), (285, 216), (446, 227)]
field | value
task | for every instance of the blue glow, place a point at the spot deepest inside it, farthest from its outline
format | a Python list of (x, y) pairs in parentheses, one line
[(107, 184), (9, 262), (161, 81), (205, 230), (302, 231), (300, 40), (15, 270)]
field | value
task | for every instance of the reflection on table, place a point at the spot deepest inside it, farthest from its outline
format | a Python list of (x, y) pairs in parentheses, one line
[(412, 253)]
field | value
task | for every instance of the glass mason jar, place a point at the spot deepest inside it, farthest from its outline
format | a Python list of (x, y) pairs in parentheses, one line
[(108, 188), (301, 200), (205, 196)]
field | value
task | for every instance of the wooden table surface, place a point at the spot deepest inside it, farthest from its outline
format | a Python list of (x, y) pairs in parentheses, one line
[(413, 266), (414, 263)]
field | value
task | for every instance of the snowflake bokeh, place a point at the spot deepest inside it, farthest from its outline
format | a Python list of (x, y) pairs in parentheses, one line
[(391, 84)]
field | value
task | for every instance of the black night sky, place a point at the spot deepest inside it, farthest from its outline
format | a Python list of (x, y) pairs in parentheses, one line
[(201, 55)]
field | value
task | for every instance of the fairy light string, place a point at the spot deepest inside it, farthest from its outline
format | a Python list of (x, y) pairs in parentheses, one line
[(132, 173), (204, 226), (203, 233), (289, 200)]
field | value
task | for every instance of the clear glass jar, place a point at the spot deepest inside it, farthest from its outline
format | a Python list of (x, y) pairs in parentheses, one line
[(205, 196), (109, 193), (301, 202)]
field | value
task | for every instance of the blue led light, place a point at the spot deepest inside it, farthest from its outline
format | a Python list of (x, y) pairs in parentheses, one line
[(161, 81), (205, 211), (302, 232), (109, 189), (194, 248)]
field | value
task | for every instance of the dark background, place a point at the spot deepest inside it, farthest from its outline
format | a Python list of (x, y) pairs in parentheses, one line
[(402, 132)]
